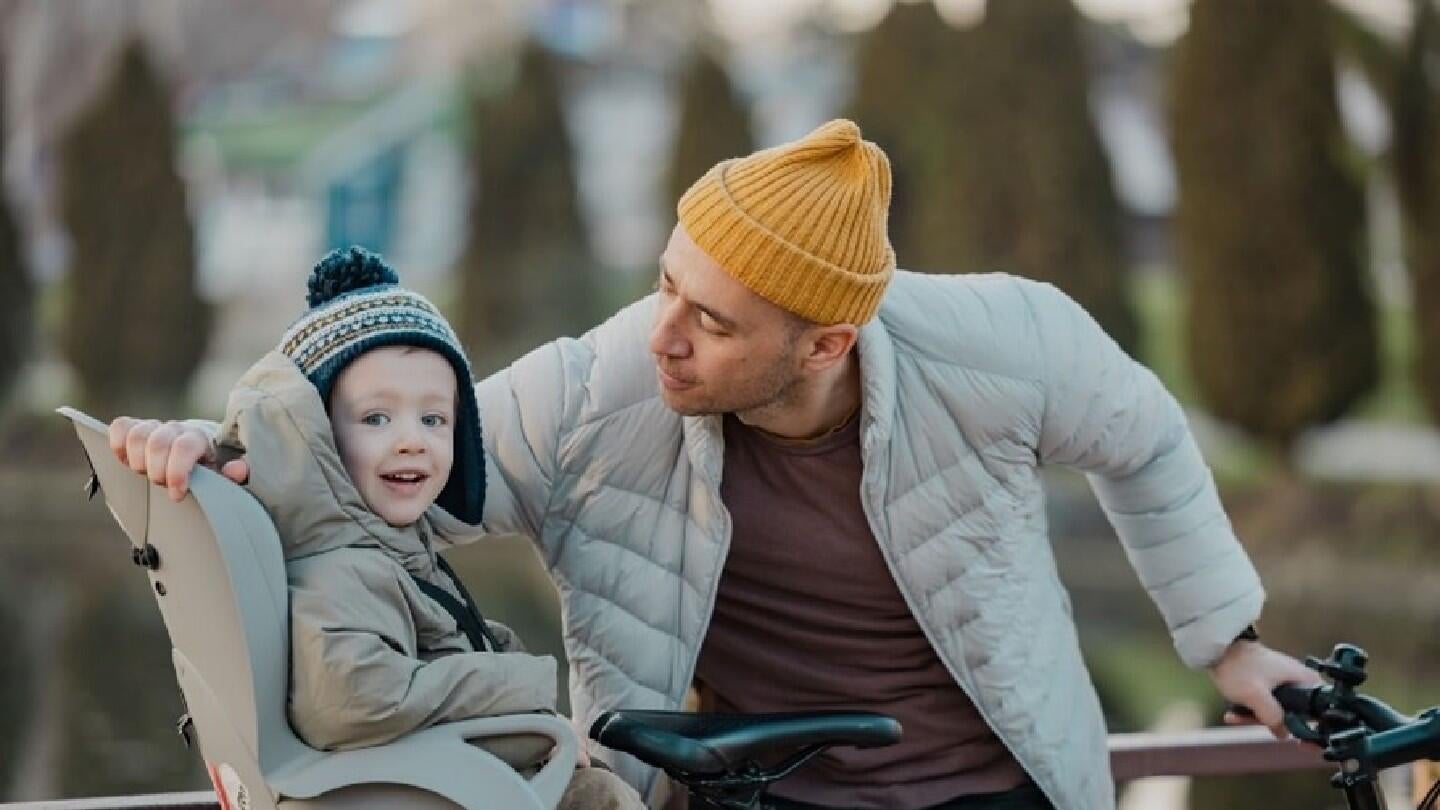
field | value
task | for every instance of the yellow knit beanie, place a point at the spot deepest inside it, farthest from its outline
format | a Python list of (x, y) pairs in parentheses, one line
[(802, 224)]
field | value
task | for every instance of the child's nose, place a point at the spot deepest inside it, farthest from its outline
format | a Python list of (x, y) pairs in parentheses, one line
[(410, 440)]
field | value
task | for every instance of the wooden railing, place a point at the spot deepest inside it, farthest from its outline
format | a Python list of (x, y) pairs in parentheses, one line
[(1208, 752)]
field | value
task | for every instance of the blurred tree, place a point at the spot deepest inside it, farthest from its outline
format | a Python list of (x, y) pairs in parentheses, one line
[(1269, 227), (714, 125), (132, 249), (16, 676), (1415, 112), (16, 296), (999, 164), (526, 276), (900, 104)]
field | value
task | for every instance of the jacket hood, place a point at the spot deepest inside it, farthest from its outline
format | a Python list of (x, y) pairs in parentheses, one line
[(276, 419)]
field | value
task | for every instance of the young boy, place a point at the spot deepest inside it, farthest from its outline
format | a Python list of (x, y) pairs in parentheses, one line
[(363, 440)]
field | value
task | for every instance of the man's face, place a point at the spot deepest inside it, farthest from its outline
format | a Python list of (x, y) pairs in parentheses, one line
[(393, 413), (718, 347)]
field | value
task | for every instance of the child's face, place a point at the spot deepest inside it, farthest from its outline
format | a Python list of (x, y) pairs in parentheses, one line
[(393, 413)]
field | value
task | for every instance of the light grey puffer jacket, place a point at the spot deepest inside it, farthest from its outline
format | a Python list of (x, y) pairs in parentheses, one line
[(970, 384)]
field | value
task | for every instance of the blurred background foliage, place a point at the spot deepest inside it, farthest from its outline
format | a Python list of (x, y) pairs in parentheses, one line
[(526, 276), (133, 247), (1255, 118), (999, 164), (16, 296), (714, 125), (1246, 195)]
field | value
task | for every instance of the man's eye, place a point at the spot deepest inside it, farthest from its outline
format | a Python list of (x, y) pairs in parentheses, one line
[(374, 419), (711, 325), (434, 420)]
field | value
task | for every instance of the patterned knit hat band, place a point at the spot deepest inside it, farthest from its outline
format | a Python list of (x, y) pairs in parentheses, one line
[(358, 316)]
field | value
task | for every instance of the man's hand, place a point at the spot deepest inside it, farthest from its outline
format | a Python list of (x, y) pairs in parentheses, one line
[(166, 452), (1246, 675)]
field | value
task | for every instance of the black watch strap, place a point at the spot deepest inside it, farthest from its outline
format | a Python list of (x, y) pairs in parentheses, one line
[(1248, 634)]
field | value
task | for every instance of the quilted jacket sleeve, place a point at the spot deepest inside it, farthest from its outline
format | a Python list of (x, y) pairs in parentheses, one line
[(1110, 417), (523, 410)]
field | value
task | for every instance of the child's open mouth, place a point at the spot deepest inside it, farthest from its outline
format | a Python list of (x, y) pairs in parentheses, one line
[(405, 483)]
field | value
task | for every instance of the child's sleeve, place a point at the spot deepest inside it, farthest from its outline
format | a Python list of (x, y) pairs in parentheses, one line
[(510, 641), (357, 679)]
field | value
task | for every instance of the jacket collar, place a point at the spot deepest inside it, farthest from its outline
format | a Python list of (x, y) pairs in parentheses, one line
[(877, 383)]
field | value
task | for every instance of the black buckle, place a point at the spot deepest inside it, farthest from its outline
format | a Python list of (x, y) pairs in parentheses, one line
[(145, 556)]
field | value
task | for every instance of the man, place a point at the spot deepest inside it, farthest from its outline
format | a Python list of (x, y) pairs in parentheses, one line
[(868, 487)]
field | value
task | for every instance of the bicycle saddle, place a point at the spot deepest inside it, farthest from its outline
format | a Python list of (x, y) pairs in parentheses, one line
[(685, 742)]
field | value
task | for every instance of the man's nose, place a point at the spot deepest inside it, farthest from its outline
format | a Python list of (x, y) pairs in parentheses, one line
[(666, 337)]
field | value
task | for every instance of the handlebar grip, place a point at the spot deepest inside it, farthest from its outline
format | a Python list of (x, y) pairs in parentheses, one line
[(1297, 699)]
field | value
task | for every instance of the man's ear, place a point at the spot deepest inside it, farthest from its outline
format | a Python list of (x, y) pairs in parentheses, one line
[(828, 345)]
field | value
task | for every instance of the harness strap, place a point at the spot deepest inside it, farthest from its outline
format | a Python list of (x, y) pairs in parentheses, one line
[(466, 614)]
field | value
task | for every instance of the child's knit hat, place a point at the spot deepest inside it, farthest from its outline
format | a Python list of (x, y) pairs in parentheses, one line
[(357, 304)]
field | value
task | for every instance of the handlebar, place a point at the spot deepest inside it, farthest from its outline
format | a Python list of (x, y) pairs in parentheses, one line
[(1353, 727), (1361, 733), (1313, 702)]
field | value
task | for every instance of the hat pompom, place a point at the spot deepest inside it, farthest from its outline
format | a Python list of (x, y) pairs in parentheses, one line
[(342, 271)]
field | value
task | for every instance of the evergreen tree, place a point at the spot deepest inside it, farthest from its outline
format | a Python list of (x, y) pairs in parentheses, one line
[(1001, 165), (1282, 331), (132, 249), (1415, 111), (714, 126), (527, 276), (16, 318), (901, 102)]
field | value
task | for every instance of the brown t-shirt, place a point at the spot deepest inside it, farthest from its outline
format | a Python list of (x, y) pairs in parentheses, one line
[(808, 617)]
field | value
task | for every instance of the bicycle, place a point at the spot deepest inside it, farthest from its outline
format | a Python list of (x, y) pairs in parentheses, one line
[(722, 759), (1360, 733)]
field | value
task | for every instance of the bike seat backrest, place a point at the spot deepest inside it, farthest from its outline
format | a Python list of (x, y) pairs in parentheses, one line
[(710, 744), (218, 576)]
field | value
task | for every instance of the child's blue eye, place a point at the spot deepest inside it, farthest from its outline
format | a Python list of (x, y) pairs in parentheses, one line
[(433, 420), (374, 419)]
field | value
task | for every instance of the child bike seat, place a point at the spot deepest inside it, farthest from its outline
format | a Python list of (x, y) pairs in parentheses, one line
[(216, 569)]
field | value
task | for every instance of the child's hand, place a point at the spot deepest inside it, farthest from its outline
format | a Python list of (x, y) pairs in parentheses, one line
[(166, 452)]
